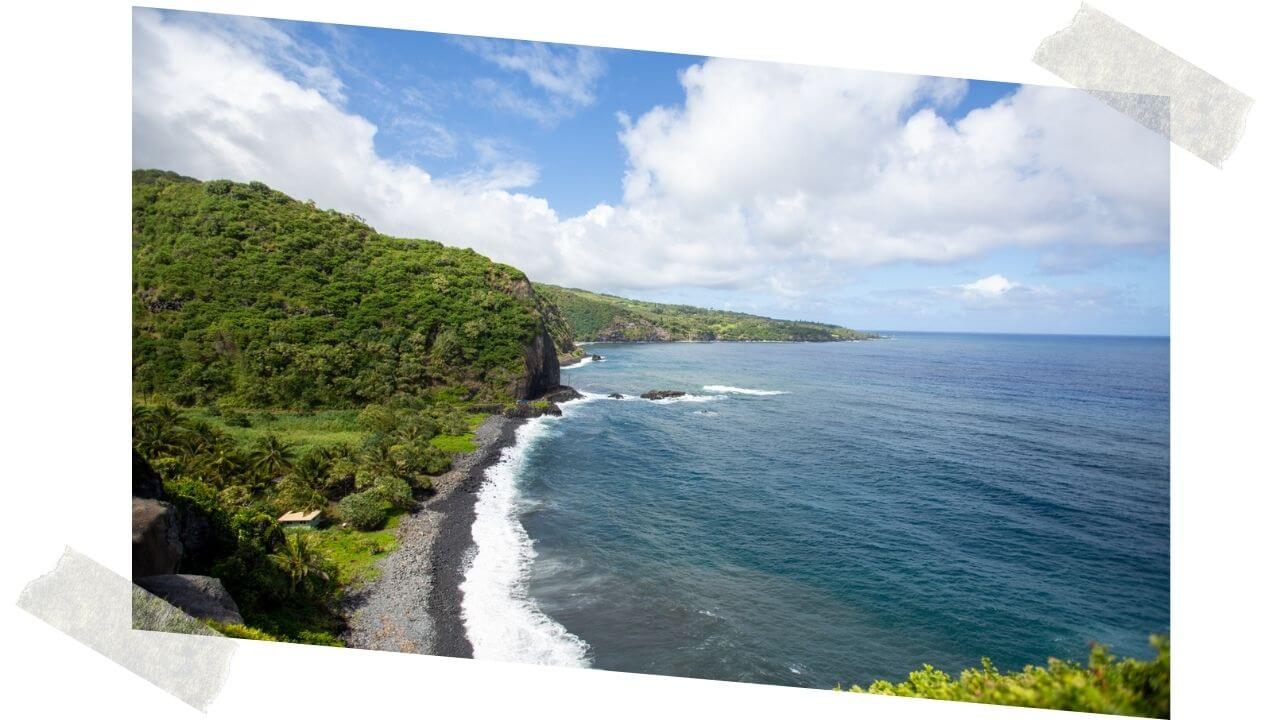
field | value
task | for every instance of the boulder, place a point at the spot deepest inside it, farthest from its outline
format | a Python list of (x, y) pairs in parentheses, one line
[(616, 396), (197, 535), (157, 543), (146, 483), (596, 358), (663, 394), (199, 596)]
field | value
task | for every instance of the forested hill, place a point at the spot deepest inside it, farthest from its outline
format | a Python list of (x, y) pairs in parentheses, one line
[(608, 318), (243, 294)]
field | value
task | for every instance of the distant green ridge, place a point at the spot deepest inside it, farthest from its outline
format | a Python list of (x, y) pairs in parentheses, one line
[(596, 317)]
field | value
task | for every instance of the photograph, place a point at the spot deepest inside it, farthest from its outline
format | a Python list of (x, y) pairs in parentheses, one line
[(667, 364)]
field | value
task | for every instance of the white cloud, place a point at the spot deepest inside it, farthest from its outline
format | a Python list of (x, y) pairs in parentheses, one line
[(990, 287), (567, 75), (773, 178)]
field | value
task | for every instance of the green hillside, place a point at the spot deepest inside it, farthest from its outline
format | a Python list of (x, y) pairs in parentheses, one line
[(244, 295), (607, 318)]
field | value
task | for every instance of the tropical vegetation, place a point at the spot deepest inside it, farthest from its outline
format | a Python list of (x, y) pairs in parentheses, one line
[(246, 296), (1104, 685), (288, 583)]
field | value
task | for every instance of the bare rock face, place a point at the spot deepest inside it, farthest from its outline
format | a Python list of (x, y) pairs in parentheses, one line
[(542, 366), (199, 596), (157, 543)]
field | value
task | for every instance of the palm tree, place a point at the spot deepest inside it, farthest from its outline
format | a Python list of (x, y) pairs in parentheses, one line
[(312, 468), (301, 562), (167, 416), (414, 433), (200, 438), (153, 440), (380, 460), (272, 457), (224, 463)]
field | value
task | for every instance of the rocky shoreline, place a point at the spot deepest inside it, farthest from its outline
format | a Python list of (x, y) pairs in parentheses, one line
[(415, 604)]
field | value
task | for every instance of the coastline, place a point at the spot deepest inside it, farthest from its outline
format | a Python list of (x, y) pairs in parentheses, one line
[(415, 604)]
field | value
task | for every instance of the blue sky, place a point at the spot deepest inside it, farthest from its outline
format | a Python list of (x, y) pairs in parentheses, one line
[(864, 199)]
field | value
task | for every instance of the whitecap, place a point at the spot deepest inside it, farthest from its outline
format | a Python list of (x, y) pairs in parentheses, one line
[(501, 620), (687, 398), (741, 391)]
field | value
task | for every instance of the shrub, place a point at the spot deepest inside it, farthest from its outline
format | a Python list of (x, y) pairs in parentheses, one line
[(363, 510), (438, 461), (235, 418), (1124, 687), (318, 637), (243, 632), (379, 419), (395, 491)]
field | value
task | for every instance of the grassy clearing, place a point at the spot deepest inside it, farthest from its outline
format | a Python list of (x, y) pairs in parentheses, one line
[(356, 553), (321, 428), (461, 443)]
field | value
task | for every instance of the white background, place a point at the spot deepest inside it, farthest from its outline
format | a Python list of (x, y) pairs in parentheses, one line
[(66, 352)]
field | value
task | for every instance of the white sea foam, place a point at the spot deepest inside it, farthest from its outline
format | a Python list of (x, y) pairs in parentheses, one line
[(582, 363), (502, 621), (741, 391), (687, 398)]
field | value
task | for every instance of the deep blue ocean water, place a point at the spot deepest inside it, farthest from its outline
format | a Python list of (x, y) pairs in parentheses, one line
[(926, 498)]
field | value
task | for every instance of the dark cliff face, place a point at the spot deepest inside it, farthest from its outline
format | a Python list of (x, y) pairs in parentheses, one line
[(541, 355), (542, 366)]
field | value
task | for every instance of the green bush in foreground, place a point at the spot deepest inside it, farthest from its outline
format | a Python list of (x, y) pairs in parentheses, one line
[(1106, 685), (363, 510)]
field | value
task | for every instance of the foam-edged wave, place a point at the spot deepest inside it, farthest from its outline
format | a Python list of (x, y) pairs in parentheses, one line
[(687, 399), (502, 621), (731, 390), (582, 363)]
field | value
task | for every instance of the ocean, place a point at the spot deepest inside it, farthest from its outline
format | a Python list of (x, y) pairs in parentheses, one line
[(824, 513)]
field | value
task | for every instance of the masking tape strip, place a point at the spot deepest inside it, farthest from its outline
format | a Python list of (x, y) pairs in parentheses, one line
[(1148, 83), (92, 604)]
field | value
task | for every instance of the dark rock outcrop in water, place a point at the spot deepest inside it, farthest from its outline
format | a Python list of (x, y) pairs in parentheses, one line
[(199, 596), (596, 358), (663, 394), (528, 410), (562, 393), (616, 396), (157, 543)]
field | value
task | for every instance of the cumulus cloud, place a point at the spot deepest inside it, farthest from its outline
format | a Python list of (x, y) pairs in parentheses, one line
[(990, 287), (771, 178)]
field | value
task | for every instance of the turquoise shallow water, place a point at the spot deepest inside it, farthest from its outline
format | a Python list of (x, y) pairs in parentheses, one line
[(927, 498)]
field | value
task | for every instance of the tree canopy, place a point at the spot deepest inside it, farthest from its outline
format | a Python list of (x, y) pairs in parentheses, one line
[(243, 294)]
